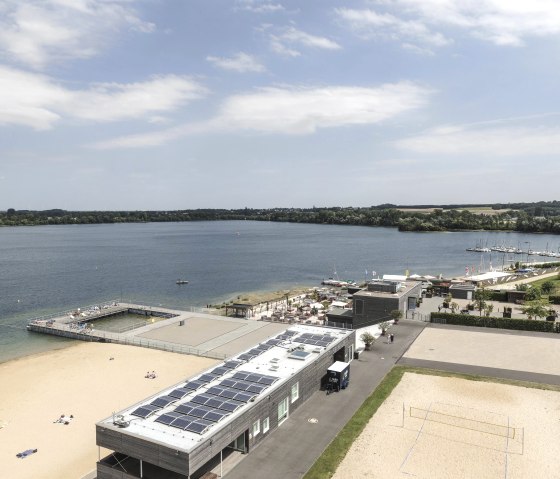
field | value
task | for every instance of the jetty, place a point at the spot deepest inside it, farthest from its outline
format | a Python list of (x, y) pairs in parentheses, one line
[(196, 332), (80, 324)]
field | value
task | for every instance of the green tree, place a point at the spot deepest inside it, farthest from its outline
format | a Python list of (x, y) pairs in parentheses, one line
[(396, 314), (536, 309), (533, 293), (481, 296), (547, 287), (368, 339)]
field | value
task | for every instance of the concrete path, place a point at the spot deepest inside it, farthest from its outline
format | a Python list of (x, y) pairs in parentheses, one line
[(292, 449), (510, 374)]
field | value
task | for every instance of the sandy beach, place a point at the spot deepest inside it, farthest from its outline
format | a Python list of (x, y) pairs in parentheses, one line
[(82, 381), (445, 428)]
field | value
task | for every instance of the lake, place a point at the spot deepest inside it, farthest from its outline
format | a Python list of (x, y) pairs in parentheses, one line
[(47, 269)]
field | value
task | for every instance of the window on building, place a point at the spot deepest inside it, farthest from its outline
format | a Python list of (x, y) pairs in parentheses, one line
[(266, 425), (256, 427), (283, 409), (359, 306), (295, 392)]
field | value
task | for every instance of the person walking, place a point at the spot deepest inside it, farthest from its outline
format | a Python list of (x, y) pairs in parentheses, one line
[(392, 338)]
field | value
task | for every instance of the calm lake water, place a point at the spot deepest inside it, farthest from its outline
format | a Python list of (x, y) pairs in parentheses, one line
[(47, 269)]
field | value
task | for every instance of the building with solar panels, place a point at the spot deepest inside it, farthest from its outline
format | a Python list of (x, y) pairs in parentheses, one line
[(189, 429)]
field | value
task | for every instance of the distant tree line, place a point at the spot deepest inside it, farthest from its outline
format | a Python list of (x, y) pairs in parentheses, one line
[(541, 217)]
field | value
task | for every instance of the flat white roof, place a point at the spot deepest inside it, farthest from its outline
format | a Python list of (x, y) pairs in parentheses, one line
[(274, 363), (338, 366), (394, 277), (489, 275)]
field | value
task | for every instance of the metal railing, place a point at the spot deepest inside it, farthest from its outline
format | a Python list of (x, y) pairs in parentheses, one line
[(59, 314), (86, 334)]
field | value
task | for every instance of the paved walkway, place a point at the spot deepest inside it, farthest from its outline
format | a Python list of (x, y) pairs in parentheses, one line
[(519, 355), (292, 449)]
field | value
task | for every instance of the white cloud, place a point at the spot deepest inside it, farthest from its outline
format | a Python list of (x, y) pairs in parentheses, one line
[(116, 101), (502, 22), (283, 41), (304, 110), (277, 46), (241, 63), (259, 7), (37, 101), (371, 24), (38, 32), (296, 111), (297, 36), (492, 141)]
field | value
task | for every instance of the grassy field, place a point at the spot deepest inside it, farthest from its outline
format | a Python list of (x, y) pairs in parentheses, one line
[(479, 210)]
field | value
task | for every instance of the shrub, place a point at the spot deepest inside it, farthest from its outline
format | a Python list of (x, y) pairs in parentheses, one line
[(547, 287), (533, 293), (554, 299), (498, 296), (499, 323), (367, 338)]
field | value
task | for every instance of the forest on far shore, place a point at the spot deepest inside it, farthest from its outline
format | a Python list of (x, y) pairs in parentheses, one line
[(540, 217)]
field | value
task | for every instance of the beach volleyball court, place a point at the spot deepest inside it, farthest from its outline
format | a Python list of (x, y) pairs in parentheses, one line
[(436, 427)]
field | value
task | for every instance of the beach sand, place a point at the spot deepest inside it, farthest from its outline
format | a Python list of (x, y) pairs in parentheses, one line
[(81, 381), (434, 427)]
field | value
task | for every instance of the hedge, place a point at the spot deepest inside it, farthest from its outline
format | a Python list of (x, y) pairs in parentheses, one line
[(500, 323), (554, 299), (498, 296)]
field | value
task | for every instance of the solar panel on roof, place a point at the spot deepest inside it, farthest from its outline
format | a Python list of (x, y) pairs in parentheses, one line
[(184, 408), (181, 422), (230, 393), (314, 339), (232, 364), (255, 351), (215, 391), (273, 342), (217, 402), (246, 357), (201, 398), (179, 393), (206, 378), (264, 347), (194, 385), (168, 418), (243, 385), (255, 378), (197, 428), (220, 371), (215, 415), (289, 332), (163, 401), (145, 411)]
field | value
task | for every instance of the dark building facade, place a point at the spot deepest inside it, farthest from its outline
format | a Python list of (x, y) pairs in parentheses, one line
[(374, 304)]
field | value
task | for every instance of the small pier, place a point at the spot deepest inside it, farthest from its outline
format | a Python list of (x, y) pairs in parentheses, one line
[(79, 324)]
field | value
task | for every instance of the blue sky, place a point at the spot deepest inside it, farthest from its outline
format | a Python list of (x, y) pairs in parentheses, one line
[(176, 104)]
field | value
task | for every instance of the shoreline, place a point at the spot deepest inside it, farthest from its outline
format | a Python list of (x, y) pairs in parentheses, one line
[(83, 381)]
